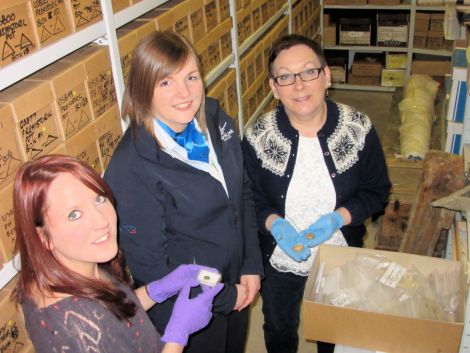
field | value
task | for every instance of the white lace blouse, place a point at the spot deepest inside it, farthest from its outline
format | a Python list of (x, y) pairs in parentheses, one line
[(310, 195)]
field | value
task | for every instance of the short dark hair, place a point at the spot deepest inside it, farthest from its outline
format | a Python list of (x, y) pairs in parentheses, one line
[(287, 42)]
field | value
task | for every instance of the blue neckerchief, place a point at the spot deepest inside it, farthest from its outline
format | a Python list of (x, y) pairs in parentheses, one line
[(191, 139)]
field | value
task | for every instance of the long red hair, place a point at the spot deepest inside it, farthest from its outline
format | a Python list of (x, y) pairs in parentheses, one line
[(40, 269)]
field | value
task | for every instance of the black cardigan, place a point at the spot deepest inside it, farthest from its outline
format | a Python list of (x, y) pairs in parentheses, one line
[(353, 156)]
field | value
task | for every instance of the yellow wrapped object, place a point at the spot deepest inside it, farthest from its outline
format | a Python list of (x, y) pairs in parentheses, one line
[(417, 116)]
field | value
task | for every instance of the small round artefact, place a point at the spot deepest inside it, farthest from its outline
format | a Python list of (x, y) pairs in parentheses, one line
[(298, 247), (309, 236)]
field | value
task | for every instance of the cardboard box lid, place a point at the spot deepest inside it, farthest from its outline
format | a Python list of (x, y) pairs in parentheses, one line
[(26, 97), (62, 75), (422, 16), (141, 27), (388, 333), (94, 57)]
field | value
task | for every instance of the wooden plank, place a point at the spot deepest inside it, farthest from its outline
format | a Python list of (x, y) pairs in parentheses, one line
[(442, 175)]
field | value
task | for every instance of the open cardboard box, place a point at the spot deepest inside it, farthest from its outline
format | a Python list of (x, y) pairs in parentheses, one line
[(370, 330)]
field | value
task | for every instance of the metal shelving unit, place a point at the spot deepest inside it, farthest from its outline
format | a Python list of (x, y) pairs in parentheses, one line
[(104, 33), (409, 6)]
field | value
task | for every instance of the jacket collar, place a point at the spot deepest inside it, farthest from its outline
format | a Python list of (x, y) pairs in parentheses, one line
[(147, 145)]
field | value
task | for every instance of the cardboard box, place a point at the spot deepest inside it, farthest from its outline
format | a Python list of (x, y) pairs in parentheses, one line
[(392, 30), (83, 13), (101, 88), (422, 21), (420, 39), (338, 74), (210, 14), (393, 78), (351, 2), (436, 22), (354, 31), (141, 27), (363, 80), (196, 16), (329, 35), (119, 5), (217, 90), (367, 66), (84, 146), (435, 40), (17, 35), (108, 130), (127, 42), (431, 67), (10, 150), (50, 17), (174, 15), (7, 224), (67, 81), (384, 2), (256, 17), (231, 87), (395, 60), (13, 334), (223, 10), (370, 330), (265, 11), (32, 104)]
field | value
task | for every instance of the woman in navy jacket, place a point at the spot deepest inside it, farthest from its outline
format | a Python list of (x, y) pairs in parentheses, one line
[(181, 190)]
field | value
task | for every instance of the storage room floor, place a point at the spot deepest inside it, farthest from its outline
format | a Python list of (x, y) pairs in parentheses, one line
[(382, 110)]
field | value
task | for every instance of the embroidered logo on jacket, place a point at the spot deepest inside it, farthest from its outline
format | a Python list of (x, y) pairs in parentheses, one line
[(225, 135), (131, 229), (348, 138), (271, 147)]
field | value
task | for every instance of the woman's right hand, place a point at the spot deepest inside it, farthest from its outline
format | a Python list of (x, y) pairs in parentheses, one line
[(190, 315)]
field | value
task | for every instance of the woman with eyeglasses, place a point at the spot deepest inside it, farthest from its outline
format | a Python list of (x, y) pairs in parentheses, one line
[(318, 171)]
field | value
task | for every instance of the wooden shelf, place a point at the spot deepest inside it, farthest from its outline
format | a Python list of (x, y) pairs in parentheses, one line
[(364, 48), (347, 86)]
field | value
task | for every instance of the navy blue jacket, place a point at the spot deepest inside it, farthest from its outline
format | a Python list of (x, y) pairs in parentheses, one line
[(353, 155), (171, 213)]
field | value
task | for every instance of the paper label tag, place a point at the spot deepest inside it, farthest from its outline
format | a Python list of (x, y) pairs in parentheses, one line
[(393, 275), (341, 300)]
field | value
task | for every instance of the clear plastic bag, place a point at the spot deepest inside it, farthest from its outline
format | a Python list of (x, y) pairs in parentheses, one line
[(374, 283)]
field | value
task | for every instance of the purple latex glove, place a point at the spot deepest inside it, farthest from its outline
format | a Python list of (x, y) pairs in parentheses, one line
[(190, 315), (171, 284)]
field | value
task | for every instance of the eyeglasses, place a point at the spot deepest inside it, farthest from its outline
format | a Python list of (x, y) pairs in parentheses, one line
[(307, 75)]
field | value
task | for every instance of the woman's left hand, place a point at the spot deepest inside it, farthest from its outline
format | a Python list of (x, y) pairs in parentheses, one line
[(252, 284)]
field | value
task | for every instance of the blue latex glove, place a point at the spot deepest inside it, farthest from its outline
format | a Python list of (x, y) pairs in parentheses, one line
[(190, 315), (171, 284), (322, 229), (289, 240)]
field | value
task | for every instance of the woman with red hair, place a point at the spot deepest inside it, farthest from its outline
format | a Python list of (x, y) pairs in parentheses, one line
[(72, 285)]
